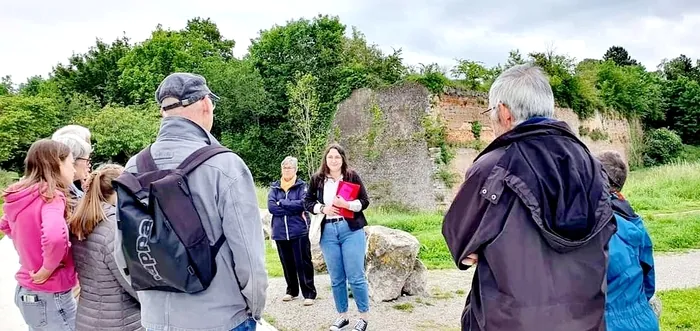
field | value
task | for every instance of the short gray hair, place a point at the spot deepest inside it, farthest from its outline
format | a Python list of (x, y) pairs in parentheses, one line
[(78, 146), (616, 167), (291, 161), (525, 90), (78, 130)]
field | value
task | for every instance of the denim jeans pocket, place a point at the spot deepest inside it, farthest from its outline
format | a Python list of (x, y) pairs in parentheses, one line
[(34, 313)]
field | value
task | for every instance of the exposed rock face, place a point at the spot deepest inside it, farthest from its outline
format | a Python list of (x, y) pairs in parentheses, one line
[(391, 258), (266, 219), (315, 237)]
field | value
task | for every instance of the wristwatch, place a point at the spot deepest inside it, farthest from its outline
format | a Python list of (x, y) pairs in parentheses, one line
[(321, 209)]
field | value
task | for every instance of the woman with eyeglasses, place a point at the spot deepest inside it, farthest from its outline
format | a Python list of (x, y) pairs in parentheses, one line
[(343, 239), (81, 151), (290, 231)]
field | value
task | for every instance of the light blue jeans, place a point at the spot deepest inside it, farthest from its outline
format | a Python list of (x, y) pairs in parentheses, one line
[(249, 325), (344, 253), (46, 311)]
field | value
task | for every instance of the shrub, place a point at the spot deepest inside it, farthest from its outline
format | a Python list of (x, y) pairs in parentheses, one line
[(662, 146)]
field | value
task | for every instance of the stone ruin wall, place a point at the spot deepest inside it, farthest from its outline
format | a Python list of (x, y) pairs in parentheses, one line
[(385, 140), (458, 109)]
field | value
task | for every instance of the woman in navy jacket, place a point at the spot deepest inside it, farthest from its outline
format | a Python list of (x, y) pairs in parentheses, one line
[(290, 230)]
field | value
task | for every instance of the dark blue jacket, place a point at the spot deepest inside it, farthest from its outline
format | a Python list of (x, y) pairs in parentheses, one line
[(630, 273), (536, 209), (287, 209)]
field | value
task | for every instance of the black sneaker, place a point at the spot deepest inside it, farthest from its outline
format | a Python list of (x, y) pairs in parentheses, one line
[(339, 324), (361, 325)]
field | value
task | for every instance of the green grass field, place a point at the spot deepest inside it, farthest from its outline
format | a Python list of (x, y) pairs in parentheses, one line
[(680, 310)]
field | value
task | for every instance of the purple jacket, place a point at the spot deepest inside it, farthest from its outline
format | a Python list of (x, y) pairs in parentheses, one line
[(535, 208)]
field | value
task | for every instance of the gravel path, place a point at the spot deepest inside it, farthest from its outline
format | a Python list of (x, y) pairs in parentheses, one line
[(440, 310)]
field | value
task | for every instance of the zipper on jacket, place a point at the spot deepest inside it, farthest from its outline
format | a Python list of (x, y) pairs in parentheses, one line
[(286, 227)]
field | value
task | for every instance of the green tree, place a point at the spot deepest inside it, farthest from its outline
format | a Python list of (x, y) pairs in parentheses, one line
[(682, 101), (681, 66), (120, 132), (302, 46), (95, 73), (432, 76), (304, 118), (366, 65), (619, 55), (24, 120), (661, 146), (631, 91), (6, 85), (188, 50), (472, 74), (514, 58)]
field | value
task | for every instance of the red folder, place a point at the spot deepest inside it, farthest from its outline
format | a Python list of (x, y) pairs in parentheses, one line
[(349, 192)]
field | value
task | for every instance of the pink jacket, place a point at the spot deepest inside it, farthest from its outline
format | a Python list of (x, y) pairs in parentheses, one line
[(40, 235)]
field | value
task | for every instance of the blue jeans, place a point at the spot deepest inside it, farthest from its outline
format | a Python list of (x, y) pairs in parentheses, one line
[(249, 325), (46, 311), (344, 253)]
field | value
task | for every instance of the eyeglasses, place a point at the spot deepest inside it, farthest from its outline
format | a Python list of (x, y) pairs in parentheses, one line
[(184, 103), (493, 108)]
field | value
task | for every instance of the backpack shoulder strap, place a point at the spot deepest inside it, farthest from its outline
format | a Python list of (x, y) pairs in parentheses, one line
[(145, 162), (199, 156)]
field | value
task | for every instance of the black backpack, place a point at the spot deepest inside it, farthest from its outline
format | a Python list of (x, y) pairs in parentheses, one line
[(164, 243)]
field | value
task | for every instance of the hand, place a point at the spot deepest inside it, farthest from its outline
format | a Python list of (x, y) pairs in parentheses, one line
[(330, 210), (471, 259), (40, 277), (340, 202)]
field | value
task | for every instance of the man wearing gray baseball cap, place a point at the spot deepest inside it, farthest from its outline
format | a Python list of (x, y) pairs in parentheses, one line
[(223, 194)]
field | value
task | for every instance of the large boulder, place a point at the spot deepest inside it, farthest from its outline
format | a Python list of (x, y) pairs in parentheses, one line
[(417, 281), (266, 219), (316, 254), (391, 258)]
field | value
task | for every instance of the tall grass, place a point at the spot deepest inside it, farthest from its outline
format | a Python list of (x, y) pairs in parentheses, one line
[(669, 188)]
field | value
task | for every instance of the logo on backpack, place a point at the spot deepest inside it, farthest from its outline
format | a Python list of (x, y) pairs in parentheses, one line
[(164, 243), (147, 261)]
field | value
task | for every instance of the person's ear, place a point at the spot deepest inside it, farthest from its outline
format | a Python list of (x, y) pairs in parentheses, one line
[(504, 115)]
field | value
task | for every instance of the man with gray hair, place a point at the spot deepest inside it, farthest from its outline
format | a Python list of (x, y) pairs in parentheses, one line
[(535, 215), (223, 194)]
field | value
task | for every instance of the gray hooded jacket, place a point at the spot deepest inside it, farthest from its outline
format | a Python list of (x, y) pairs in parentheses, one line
[(224, 195)]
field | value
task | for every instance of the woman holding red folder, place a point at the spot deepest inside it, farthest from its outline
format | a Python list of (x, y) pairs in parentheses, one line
[(342, 238)]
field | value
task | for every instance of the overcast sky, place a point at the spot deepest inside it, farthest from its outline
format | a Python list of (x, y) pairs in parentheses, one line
[(36, 35)]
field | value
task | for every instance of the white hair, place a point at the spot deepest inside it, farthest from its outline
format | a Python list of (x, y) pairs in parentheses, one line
[(78, 146), (292, 161), (525, 91), (78, 130)]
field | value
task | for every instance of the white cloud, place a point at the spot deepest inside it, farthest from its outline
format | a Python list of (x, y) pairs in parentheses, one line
[(39, 34)]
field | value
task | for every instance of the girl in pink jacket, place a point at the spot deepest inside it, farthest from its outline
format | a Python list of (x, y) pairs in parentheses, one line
[(35, 219)]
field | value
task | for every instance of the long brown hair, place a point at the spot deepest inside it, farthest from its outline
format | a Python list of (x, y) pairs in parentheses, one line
[(89, 211), (323, 171), (42, 166)]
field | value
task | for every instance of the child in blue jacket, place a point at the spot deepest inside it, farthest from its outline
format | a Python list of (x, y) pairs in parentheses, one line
[(631, 263)]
